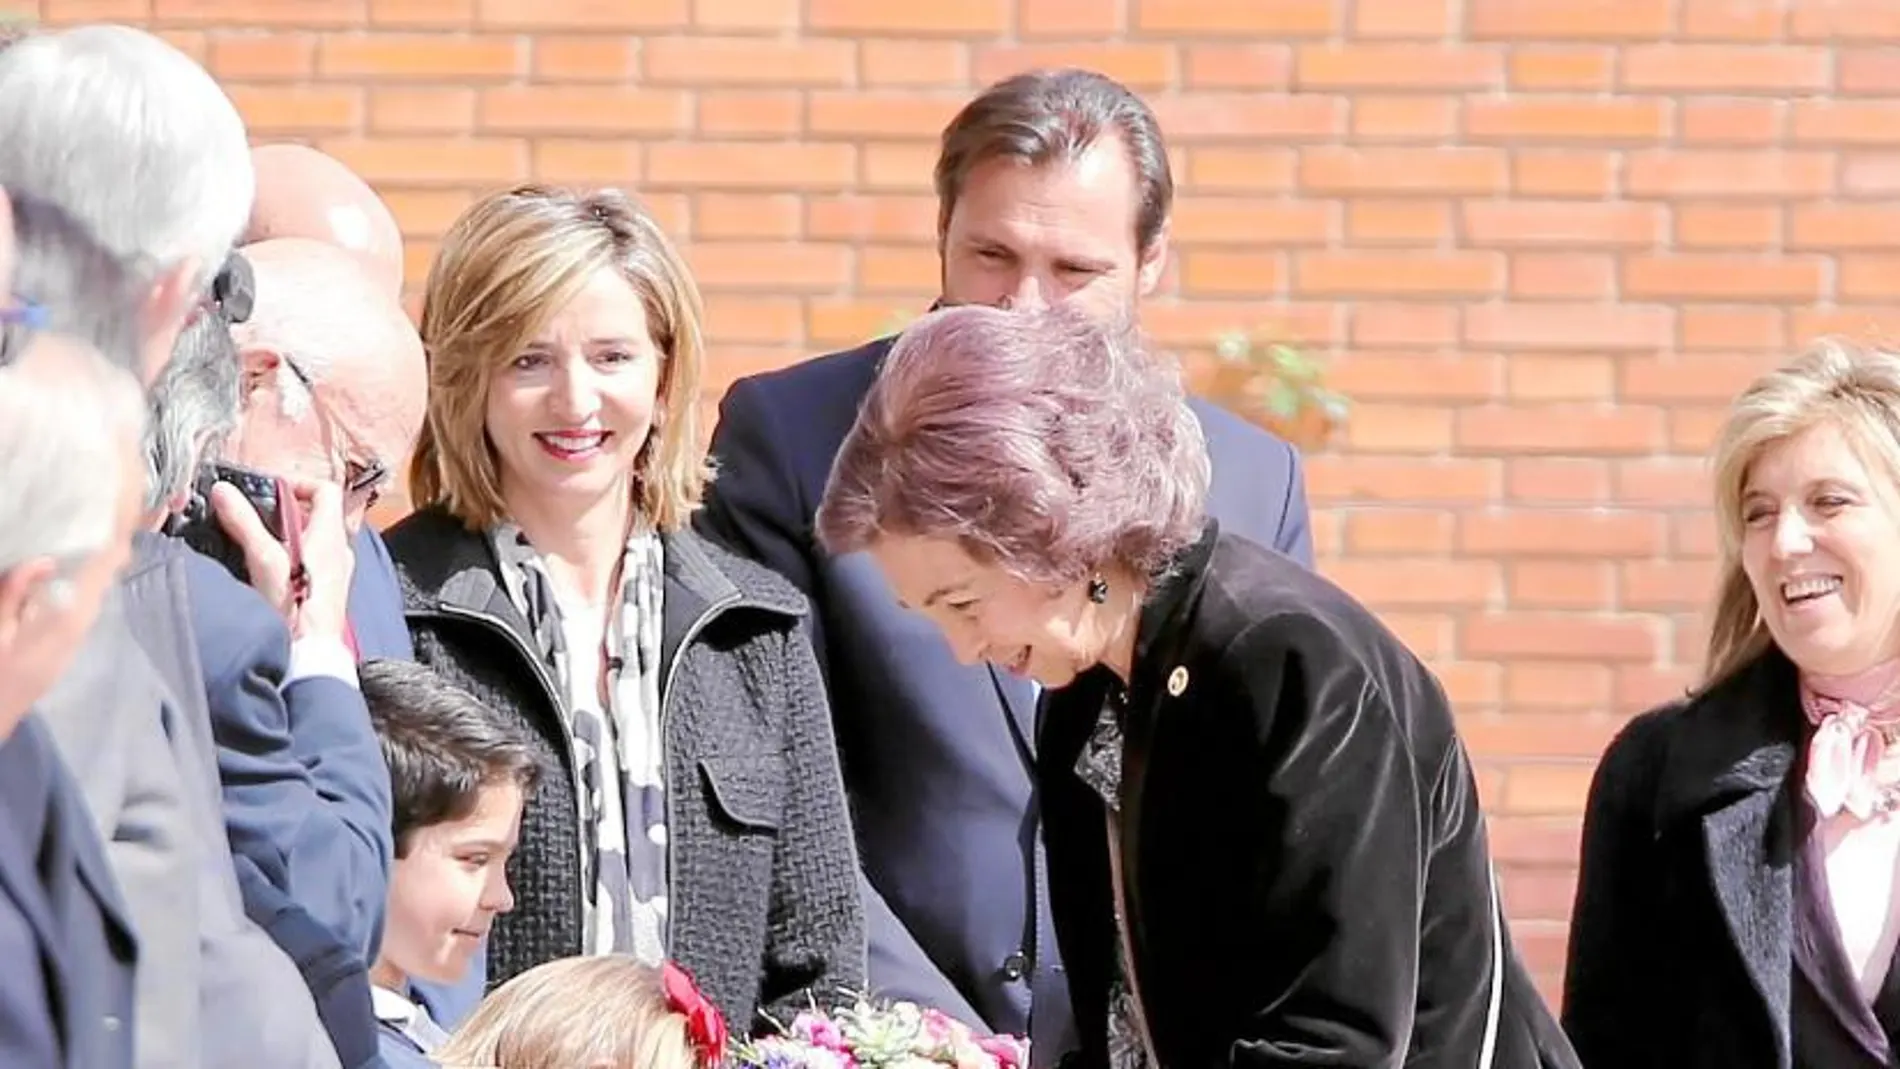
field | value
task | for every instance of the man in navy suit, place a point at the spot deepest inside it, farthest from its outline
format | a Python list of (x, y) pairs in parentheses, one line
[(66, 992), (1052, 186)]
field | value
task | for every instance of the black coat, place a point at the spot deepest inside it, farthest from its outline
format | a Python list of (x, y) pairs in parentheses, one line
[(1681, 941), (763, 897), (1305, 859)]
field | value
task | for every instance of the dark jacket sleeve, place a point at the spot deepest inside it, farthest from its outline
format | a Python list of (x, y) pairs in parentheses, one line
[(306, 795), (816, 939), (1609, 985), (1340, 838)]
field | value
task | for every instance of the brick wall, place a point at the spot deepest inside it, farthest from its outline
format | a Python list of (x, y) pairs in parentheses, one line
[(1542, 240)]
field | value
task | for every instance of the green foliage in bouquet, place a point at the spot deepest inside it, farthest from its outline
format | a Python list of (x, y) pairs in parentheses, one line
[(1278, 387)]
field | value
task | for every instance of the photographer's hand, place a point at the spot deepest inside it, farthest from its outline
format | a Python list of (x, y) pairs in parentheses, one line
[(312, 592)]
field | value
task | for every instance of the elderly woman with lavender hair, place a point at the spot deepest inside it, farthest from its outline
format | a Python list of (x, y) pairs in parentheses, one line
[(1263, 833)]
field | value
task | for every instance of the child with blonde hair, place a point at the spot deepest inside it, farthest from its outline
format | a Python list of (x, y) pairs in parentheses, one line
[(604, 1012)]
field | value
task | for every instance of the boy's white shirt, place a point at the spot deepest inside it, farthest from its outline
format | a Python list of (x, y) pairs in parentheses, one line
[(406, 1016)]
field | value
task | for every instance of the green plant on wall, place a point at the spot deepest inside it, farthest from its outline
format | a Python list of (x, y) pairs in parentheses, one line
[(1278, 387)]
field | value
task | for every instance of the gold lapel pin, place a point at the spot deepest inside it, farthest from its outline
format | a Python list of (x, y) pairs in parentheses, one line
[(1177, 681)]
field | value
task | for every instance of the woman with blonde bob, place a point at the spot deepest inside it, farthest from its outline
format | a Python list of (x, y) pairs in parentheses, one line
[(697, 812), (608, 1012), (1263, 834), (1735, 905)]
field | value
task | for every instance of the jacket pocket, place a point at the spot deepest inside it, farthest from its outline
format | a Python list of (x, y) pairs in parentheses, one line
[(747, 791)]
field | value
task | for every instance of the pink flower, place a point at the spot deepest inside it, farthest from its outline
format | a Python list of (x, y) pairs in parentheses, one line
[(822, 1031), (1010, 1052)]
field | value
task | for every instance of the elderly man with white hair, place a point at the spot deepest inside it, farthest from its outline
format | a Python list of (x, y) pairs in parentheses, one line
[(66, 989)]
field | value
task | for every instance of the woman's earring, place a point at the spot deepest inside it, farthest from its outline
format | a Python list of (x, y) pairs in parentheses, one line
[(1098, 590)]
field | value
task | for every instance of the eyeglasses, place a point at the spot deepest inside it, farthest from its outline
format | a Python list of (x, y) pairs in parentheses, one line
[(24, 313), (362, 478)]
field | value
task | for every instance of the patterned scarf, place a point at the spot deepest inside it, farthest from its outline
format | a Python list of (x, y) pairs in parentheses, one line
[(1853, 717), (619, 752)]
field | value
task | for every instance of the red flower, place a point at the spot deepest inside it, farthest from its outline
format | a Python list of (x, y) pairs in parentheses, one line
[(703, 1021)]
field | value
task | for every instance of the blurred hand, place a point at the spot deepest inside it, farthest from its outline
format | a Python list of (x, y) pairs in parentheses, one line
[(317, 601)]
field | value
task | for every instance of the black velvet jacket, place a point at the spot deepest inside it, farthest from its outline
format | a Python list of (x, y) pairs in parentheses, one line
[(1305, 860)]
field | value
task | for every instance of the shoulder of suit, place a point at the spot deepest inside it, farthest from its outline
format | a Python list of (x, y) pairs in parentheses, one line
[(1224, 429), (847, 371)]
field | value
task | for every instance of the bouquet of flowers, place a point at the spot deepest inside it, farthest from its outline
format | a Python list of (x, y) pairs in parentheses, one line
[(871, 1035)]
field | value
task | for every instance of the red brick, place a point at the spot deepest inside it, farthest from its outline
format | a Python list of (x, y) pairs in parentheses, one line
[(1590, 533), (1567, 481), (1869, 278), (1663, 482), (753, 320), (274, 13), (1557, 687), (1867, 71), (1141, 67), (1554, 326), (1728, 327), (1439, 584), (1536, 429), (422, 111), (1875, 175), (738, 165), (749, 61), (1400, 532), (1551, 173), (578, 14), (1335, 171), (1645, 688), (1558, 636), (1555, 224), (587, 161), (1236, 221), (1726, 20), (422, 57), (424, 161), (1239, 66), (1071, 18), (1827, 227), (859, 114), (1726, 69), (774, 113), (1657, 586), (746, 15), (1858, 19), (747, 215), (1403, 324), (1197, 18), (562, 109), (843, 324), (1458, 482), (1712, 276), (73, 12), (1396, 66), (1708, 377), (913, 64), (904, 165), (777, 267), (1214, 169), (1733, 122), (1420, 376), (1562, 276), (971, 17), (585, 59), (1845, 122), (1232, 272), (1730, 174), (1550, 69), (1248, 116), (1872, 323), (871, 218), (1562, 377), (1384, 428), (1693, 430), (1566, 121), (262, 56), (277, 111), (1403, 18), (1560, 19), (1541, 840), (1352, 273), (1403, 118), (427, 213), (1728, 226), (1398, 222), (422, 14)]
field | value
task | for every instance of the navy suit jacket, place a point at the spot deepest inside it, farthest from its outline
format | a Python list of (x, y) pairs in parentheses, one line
[(66, 943), (306, 795), (376, 601), (938, 756)]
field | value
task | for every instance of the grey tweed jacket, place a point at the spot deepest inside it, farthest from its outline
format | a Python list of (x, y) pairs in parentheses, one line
[(763, 902)]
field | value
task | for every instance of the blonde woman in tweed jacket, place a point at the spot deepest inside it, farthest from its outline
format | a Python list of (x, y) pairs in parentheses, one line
[(695, 809)]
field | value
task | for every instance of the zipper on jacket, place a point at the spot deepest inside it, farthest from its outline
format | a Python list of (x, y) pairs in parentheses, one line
[(673, 789)]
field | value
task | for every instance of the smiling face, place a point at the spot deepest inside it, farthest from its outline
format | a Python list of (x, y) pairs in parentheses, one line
[(1045, 633), (1821, 548), (569, 414), (447, 887)]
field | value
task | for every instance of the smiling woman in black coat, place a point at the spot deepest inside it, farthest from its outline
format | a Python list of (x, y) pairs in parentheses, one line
[(1263, 832)]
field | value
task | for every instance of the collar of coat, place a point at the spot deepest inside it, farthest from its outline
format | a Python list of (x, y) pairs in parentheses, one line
[(1747, 734)]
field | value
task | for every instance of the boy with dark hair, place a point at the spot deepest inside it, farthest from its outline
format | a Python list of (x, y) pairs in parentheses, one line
[(457, 780)]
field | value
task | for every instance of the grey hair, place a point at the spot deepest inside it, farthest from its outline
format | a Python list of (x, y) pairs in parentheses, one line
[(1054, 116), (1042, 441), (132, 137), (194, 408), (87, 291), (60, 478)]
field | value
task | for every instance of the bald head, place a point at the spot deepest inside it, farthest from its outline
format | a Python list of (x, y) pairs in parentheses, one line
[(302, 193), (318, 311)]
